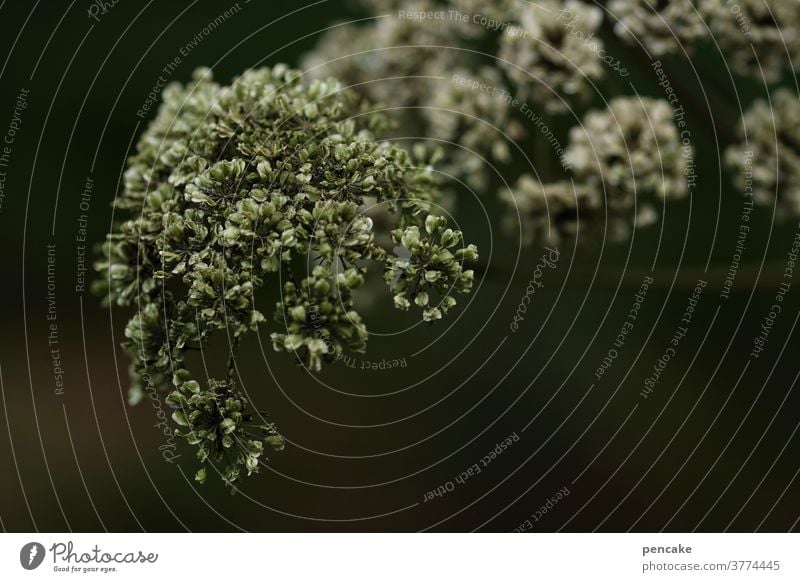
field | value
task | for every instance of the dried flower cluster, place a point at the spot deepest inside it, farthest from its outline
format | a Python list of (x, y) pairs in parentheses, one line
[(664, 27), (755, 36), (632, 148), (551, 52), (552, 211), (622, 161), (234, 184), (758, 37), (767, 161)]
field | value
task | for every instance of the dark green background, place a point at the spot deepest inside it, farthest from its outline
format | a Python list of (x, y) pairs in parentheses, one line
[(86, 461)]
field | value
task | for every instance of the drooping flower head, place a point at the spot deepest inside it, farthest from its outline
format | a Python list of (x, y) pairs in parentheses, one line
[(231, 187)]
